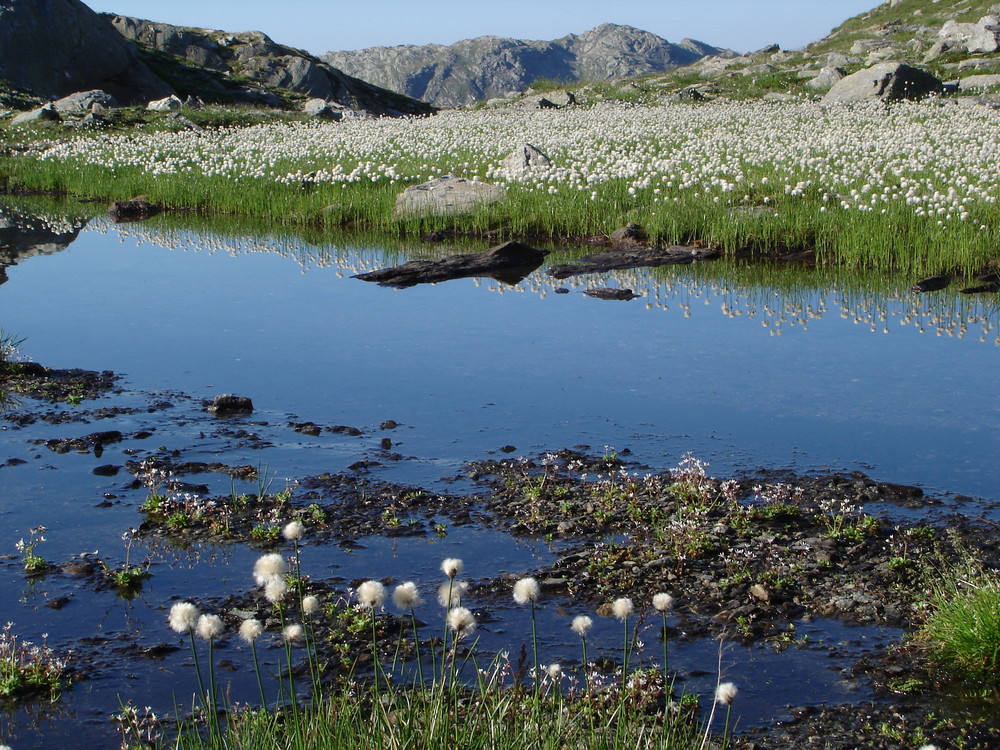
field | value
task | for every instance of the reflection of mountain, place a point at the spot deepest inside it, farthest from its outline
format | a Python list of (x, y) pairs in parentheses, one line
[(26, 236)]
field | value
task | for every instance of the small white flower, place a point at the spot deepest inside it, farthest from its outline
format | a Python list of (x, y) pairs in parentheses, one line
[(451, 567), (210, 627), (461, 621), (406, 596), (725, 693), (526, 590), (451, 593), (663, 602), (310, 605), (622, 608), (250, 630), (183, 617), (269, 566), (275, 589), (582, 625), (293, 531), (371, 594)]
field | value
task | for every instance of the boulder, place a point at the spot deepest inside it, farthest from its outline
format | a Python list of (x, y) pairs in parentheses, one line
[(630, 234), (885, 82), (446, 196), (136, 209), (827, 78), (979, 82), (167, 104), (757, 70), (323, 109), (524, 158), (48, 112), (982, 36), (82, 101)]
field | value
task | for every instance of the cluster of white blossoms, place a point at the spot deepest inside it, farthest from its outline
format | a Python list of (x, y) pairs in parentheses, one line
[(936, 161)]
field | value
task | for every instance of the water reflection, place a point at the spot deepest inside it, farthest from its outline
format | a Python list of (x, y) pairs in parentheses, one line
[(27, 234), (779, 296)]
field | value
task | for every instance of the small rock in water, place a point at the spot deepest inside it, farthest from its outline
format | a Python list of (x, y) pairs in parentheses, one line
[(227, 403), (931, 284)]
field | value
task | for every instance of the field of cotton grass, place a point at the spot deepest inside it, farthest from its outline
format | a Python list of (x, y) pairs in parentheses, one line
[(912, 187), (418, 684)]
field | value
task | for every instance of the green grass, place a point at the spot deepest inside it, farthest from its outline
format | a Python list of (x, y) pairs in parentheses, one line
[(963, 631)]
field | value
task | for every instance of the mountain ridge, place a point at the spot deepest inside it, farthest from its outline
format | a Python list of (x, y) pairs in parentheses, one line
[(491, 66)]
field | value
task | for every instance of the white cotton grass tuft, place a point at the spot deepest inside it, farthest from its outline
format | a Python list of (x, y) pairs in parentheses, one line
[(725, 693), (293, 633), (622, 608), (275, 589), (461, 621), (526, 590), (406, 596), (183, 617), (663, 602), (554, 671), (451, 593), (371, 594), (451, 567), (293, 531), (310, 605), (582, 625), (269, 566), (209, 627), (251, 630)]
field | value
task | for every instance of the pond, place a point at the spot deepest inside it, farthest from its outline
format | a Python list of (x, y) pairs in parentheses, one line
[(746, 367)]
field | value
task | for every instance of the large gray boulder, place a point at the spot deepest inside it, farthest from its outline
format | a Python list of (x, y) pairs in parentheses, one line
[(54, 48), (887, 82), (826, 79), (982, 36), (446, 196), (82, 101), (524, 158)]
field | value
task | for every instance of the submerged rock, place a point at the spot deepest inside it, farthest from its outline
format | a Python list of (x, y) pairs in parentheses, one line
[(612, 294), (632, 257), (509, 263)]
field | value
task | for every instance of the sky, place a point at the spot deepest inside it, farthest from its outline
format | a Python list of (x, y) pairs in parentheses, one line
[(320, 26)]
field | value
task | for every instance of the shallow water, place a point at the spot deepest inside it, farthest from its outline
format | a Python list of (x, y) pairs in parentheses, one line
[(744, 368)]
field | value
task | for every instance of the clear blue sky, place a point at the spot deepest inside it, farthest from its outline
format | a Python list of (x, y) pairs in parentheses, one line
[(324, 25)]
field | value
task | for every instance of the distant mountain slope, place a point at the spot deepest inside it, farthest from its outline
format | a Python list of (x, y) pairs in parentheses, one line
[(249, 66), (489, 66)]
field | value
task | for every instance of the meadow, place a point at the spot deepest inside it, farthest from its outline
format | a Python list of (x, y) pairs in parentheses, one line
[(911, 187)]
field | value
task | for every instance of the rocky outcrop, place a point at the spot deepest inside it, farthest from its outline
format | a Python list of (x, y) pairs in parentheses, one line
[(250, 66), (982, 36), (488, 67), (886, 82), (53, 48)]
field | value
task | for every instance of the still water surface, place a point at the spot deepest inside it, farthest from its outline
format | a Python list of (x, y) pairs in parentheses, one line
[(745, 369)]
